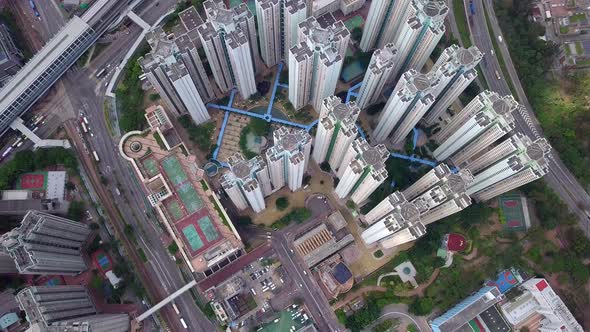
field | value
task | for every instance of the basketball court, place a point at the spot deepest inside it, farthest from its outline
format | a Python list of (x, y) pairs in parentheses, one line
[(208, 229), (198, 230), (192, 237), (511, 204), (33, 181), (174, 209), (174, 170)]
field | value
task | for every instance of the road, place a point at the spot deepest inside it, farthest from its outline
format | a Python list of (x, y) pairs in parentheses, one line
[(315, 300), (401, 311), (161, 275), (559, 178)]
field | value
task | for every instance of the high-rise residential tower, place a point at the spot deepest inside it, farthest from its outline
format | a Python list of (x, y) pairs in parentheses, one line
[(240, 59), (436, 195), (336, 131), (268, 15), (362, 170), (456, 70), (67, 308), (383, 23), (378, 73), (177, 75), (315, 63), (235, 62), (409, 101), (247, 182), (287, 160), (294, 12), (401, 224), (525, 162), (440, 193), (419, 34), (486, 119), (46, 244)]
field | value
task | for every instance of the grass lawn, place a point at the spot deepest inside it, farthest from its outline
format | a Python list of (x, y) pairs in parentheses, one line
[(564, 29), (461, 20), (579, 48), (567, 49), (577, 17)]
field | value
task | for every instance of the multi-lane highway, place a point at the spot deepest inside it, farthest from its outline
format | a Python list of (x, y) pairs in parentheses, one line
[(560, 179), (86, 95)]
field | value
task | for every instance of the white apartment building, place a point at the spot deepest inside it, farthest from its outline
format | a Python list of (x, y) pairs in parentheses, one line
[(268, 15), (288, 159), (383, 23), (294, 12), (526, 164), (419, 34), (456, 70), (378, 73), (247, 182), (409, 101), (362, 170), (315, 63), (485, 120), (335, 132)]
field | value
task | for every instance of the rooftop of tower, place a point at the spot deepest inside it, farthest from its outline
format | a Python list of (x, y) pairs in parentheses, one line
[(538, 149), (504, 105), (294, 6), (286, 139), (190, 18), (458, 182), (268, 3)]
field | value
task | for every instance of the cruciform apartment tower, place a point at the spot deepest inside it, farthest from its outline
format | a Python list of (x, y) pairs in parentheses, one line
[(410, 100), (231, 46), (378, 73), (362, 170), (315, 63), (456, 70), (287, 160), (436, 195), (517, 163), (173, 67), (486, 119), (247, 182), (336, 131)]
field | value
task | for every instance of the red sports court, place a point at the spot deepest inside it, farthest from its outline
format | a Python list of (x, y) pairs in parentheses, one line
[(456, 242), (34, 181)]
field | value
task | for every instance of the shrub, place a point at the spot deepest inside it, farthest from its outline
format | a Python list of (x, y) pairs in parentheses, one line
[(282, 203)]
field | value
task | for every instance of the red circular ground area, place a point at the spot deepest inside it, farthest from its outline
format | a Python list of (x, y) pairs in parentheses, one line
[(456, 242)]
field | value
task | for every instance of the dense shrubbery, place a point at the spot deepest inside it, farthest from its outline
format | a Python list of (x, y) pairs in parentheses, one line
[(560, 104), (298, 215), (201, 135), (28, 161), (130, 94)]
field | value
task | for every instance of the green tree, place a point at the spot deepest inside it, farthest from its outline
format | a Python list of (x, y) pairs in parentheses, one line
[(173, 248), (282, 203), (76, 210), (421, 306)]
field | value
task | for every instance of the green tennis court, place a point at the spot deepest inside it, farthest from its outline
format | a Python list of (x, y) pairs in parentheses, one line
[(193, 238), (174, 209), (354, 22), (208, 229), (285, 323), (174, 170), (189, 197), (150, 166)]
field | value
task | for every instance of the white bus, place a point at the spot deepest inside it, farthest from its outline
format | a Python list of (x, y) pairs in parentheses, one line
[(95, 156), (84, 128), (183, 323), (173, 304), (85, 119)]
